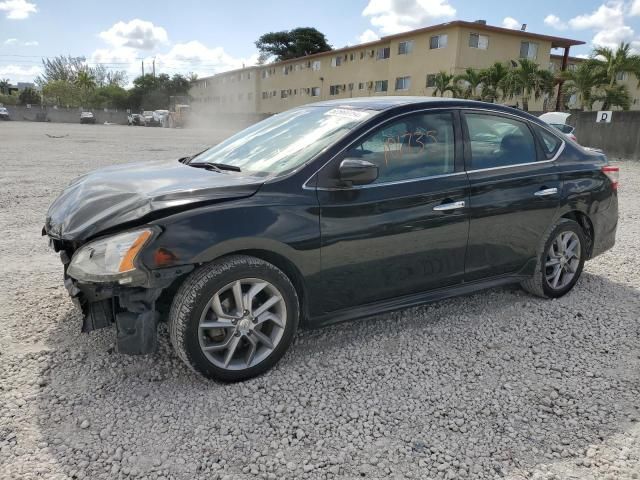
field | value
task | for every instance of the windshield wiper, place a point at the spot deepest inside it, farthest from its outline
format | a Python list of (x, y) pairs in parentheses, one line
[(217, 166)]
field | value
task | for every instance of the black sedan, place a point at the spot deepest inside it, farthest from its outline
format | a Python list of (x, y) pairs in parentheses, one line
[(325, 213)]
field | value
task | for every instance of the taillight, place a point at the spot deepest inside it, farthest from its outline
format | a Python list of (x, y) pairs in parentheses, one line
[(614, 175)]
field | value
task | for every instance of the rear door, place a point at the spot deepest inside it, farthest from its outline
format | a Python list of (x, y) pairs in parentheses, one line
[(514, 192), (407, 231)]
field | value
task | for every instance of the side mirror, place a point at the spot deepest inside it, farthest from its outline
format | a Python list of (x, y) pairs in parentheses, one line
[(354, 171)]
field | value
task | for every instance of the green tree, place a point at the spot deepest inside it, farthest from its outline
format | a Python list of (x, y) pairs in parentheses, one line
[(64, 68), (613, 96), (61, 93), (528, 81), (110, 96), (611, 63), (583, 82), (29, 96), (469, 82), (288, 44), (493, 79), (443, 84), (4, 86)]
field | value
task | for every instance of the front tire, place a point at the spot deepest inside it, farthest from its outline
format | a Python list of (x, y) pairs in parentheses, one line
[(560, 261), (234, 318)]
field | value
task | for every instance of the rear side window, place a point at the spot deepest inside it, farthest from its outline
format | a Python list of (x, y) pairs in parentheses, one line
[(415, 146), (550, 143), (499, 141)]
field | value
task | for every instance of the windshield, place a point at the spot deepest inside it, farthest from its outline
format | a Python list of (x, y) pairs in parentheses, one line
[(285, 141)]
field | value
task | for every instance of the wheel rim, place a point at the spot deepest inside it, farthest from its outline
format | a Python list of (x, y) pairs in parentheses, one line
[(563, 260), (242, 324)]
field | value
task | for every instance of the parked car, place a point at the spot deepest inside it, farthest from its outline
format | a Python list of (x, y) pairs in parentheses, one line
[(558, 120), (87, 117), (148, 118), (325, 213), (4, 114), (135, 119), (160, 117)]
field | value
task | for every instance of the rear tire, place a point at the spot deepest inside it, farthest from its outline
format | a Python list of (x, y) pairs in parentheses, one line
[(561, 258), (234, 318)]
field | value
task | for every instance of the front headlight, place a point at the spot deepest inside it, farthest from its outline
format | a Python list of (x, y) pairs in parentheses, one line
[(110, 259)]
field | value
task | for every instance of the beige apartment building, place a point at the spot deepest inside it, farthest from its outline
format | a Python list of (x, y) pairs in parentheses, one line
[(402, 64)]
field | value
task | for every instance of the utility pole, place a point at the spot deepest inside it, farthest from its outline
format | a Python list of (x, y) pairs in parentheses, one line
[(154, 67), (143, 68)]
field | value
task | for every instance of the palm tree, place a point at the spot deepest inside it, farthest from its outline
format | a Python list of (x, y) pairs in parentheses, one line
[(493, 79), (468, 82), (4, 86), (611, 63), (85, 80), (443, 84), (528, 80), (582, 82), (615, 96)]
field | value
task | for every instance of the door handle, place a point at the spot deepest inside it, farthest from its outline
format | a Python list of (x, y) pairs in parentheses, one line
[(449, 206), (545, 192)]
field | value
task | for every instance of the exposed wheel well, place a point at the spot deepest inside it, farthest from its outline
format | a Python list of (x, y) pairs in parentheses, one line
[(583, 220), (289, 269)]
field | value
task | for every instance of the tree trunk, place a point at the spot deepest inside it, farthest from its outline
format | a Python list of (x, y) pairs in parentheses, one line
[(525, 104)]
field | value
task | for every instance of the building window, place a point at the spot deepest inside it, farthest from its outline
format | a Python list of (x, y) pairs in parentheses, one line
[(529, 50), (315, 92), (350, 86), (283, 94), (431, 80), (315, 65), (264, 95), (405, 48), (552, 67), (336, 61), (351, 57), (362, 55), (438, 41), (403, 83), (621, 76), (361, 86), (334, 89), (478, 41), (381, 86), (383, 53), (572, 66), (248, 75)]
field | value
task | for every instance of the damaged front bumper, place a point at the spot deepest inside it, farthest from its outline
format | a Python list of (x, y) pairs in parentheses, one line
[(133, 310)]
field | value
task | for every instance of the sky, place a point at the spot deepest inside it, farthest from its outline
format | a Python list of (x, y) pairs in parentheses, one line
[(207, 37)]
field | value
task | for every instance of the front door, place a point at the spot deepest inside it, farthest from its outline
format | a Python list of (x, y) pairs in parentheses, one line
[(514, 194), (407, 231)]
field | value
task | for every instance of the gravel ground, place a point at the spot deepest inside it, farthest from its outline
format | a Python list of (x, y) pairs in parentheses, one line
[(493, 385)]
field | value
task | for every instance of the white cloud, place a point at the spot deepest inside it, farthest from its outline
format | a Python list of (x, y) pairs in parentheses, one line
[(394, 16), (368, 36), (582, 55), (608, 22), (137, 33), (634, 11), (18, 9), (606, 16), (196, 57), (512, 23), (554, 22), (19, 73), (15, 41)]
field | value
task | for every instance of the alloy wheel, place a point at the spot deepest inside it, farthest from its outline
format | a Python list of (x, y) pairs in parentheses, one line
[(563, 260), (242, 324)]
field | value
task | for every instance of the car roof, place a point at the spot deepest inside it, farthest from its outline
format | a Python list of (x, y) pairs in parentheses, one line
[(391, 102)]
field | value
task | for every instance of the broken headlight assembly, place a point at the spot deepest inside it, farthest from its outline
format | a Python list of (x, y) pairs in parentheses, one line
[(111, 259)]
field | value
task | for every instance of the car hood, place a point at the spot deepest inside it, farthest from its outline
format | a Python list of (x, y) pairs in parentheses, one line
[(126, 193)]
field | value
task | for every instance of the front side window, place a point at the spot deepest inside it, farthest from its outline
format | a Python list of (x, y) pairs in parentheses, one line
[(529, 50), (283, 142), (381, 85), (416, 146), (438, 41), (499, 141)]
